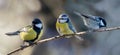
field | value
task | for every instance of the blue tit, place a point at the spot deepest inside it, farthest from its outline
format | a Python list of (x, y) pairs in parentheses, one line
[(92, 22), (64, 26), (30, 33)]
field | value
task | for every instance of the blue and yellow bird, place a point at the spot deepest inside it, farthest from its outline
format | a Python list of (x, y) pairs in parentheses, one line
[(30, 33), (64, 26)]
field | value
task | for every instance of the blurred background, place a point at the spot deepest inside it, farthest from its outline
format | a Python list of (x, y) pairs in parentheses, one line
[(15, 14)]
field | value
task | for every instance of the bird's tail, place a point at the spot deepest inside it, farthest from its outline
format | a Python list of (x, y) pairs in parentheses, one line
[(77, 13), (80, 38), (12, 33)]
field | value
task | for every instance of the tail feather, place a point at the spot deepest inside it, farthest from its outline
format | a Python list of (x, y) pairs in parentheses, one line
[(77, 13), (80, 38), (12, 33)]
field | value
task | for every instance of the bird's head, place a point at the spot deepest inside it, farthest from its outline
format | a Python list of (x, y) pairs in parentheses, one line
[(102, 22), (63, 18), (37, 23)]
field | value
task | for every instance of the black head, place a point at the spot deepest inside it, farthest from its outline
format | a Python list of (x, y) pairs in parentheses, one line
[(102, 22), (37, 23)]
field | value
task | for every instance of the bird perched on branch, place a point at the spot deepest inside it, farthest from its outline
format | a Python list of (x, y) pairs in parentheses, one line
[(64, 26), (92, 22), (30, 33)]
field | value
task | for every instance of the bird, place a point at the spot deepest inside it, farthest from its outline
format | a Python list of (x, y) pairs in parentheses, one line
[(92, 22), (64, 26), (30, 33)]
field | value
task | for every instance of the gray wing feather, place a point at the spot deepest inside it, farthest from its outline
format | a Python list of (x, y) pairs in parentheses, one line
[(71, 27), (74, 30)]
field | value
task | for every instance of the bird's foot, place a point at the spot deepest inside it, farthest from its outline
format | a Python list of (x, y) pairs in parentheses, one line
[(23, 46), (31, 43)]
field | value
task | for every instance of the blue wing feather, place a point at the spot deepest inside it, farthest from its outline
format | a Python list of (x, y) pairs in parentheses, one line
[(71, 27)]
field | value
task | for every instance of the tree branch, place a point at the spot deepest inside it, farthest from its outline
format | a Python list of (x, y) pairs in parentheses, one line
[(63, 36)]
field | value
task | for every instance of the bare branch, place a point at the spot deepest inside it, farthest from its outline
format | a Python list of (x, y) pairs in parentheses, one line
[(58, 37)]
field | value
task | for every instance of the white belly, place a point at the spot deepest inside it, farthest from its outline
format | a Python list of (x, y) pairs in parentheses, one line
[(91, 24)]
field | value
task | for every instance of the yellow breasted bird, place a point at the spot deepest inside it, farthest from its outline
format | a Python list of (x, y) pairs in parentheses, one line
[(30, 33), (64, 26)]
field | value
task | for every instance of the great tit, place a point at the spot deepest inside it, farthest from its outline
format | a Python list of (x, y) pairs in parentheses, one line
[(30, 33)]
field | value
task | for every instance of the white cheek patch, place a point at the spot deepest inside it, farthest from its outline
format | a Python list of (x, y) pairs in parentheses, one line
[(63, 21), (101, 22), (38, 25)]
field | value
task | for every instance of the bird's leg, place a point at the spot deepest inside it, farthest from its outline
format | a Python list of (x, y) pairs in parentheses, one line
[(79, 38), (30, 42), (65, 35), (27, 43), (24, 45)]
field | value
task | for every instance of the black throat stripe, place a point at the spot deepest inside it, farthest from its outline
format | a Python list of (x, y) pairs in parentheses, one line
[(37, 30)]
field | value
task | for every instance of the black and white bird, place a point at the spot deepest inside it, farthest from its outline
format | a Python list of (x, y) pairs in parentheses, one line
[(92, 22)]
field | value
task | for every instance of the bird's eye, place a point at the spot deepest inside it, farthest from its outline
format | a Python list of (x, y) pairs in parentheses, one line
[(62, 18), (101, 18)]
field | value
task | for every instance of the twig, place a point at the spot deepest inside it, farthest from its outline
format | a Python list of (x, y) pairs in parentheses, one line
[(58, 37)]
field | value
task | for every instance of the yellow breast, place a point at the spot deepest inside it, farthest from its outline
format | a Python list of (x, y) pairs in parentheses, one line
[(64, 28), (28, 35), (39, 37)]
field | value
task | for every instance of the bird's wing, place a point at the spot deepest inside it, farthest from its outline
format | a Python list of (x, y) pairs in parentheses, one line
[(18, 31), (71, 27), (26, 28), (74, 30), (85, 16), (89, 17)]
